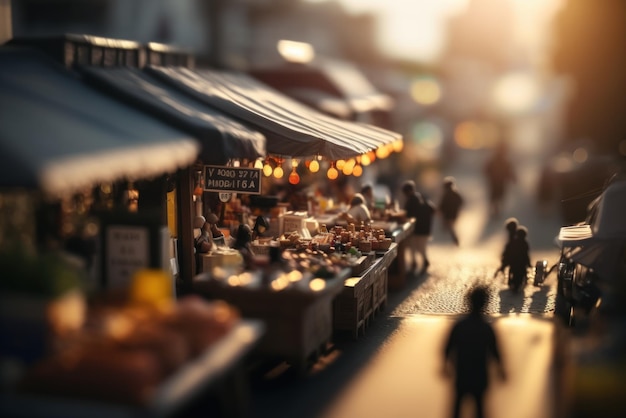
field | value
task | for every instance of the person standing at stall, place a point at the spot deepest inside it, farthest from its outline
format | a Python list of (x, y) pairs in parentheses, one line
[(367, 190), (469, 348), (358, 212), (450, 206), (423, 210)]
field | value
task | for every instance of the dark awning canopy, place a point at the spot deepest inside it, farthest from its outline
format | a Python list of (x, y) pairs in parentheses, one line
[(59, 136), (221, 137), (335, 78), (291, 128)]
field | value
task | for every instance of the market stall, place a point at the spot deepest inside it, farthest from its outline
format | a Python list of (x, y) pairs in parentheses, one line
[(67, 348), (222, 139)]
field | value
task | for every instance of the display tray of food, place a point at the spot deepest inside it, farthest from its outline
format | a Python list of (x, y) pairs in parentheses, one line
[(340, 240), (387, 226), (133, 361)]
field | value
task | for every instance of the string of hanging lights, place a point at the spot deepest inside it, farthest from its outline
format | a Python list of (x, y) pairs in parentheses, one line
[(272, 165)]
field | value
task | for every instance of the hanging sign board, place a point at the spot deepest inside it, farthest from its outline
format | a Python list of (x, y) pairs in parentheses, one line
[(232, 179)]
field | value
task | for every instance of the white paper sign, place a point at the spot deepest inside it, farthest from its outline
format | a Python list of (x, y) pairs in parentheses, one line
[(128, 250)]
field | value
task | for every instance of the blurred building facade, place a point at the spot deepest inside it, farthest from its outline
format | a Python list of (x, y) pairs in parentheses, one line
[(225, 33), (589, 49)]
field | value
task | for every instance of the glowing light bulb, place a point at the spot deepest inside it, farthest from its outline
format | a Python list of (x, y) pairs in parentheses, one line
[(382, 152), (267, 170), (339, 164), (357, 171), (278, 172), (314, 166), (258, 163), (294, 162), (398, 145), (294, 178), (332, 173), (365, 160)]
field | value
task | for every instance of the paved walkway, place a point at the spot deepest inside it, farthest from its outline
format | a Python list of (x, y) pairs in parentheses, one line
[(404, 379)]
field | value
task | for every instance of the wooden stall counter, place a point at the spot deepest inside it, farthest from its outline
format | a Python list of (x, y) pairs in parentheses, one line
[(298, 318), (363, 296), (219, 370), (398, 270)]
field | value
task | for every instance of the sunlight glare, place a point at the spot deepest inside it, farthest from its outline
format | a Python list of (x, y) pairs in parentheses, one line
[(515, 93)]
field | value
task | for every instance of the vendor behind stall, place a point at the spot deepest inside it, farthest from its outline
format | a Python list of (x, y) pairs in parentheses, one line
[(367, 190), (203, 240), (218, 236), (358, 212)]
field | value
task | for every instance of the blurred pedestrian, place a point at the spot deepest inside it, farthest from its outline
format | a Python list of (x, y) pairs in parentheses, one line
[(423, 210), (470, 347), (499, 172), (450, 206), (510, 225), (519, 258)]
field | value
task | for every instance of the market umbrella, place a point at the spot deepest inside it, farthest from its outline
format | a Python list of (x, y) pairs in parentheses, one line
[(222, 138), (291, 128), (59, 136)]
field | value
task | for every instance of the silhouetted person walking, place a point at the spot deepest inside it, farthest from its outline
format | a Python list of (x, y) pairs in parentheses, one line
[(499, 173), (450, 206), (471, 345)]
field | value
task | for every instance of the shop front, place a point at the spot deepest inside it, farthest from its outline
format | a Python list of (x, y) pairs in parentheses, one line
[(329, 276), (71, 343)]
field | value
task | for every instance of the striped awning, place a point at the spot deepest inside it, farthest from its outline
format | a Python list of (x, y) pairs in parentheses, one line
[(221, 137), (59, 136), (291, 128)]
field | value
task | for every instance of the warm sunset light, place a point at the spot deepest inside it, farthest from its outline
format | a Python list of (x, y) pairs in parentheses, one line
[(515, 93)]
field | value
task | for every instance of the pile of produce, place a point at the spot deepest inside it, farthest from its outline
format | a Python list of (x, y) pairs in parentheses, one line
[(124, 351)]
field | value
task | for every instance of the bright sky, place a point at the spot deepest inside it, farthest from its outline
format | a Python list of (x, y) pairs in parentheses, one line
[(413, 29)]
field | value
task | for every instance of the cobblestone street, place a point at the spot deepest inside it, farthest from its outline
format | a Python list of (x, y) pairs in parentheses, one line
[(454, 269)]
